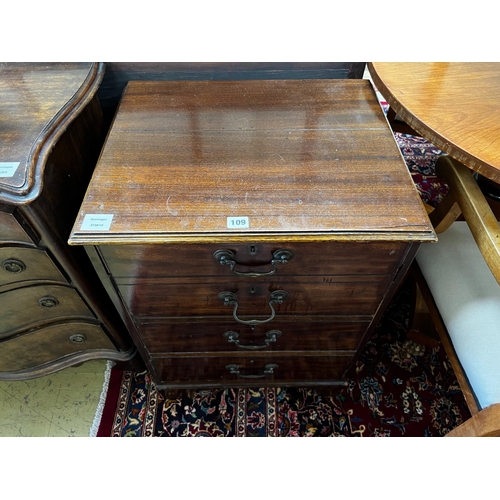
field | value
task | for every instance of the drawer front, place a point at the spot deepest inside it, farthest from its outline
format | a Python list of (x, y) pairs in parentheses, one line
[(327, 258), (25, 264), (304, 296), (50, 343), (29, 305), (210, 336), (254, 371), (11, 231)]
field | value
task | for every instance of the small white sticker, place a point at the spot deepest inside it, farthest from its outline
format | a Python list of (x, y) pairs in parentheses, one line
[(238, 222), (97, 222), (8, 168)]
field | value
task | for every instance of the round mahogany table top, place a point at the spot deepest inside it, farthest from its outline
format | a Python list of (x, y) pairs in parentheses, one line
[(456, 106)]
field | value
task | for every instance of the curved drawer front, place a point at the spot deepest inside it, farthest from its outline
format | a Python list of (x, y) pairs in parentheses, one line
[(305, 296), (11, 231), (25, 264), (33, 304), (272, 369), (50, 343), (157, 261), (210, 336)]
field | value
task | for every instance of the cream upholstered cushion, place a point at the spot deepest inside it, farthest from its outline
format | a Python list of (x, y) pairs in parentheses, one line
[(468, 298)]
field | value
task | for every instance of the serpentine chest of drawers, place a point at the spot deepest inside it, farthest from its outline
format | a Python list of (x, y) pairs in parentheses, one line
[(54, 311), (250, 232)]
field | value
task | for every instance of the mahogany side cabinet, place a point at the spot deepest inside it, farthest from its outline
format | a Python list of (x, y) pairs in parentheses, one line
[(251, 233), (54, 311)]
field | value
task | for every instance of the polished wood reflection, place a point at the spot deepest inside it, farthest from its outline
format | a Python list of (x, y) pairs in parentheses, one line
[(314, 167), (456, 106), (294, 156)]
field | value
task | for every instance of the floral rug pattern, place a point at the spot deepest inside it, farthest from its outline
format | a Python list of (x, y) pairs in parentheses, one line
[(420, 157)]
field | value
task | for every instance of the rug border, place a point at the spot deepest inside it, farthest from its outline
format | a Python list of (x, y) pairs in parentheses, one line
[(109, 411), (102, 400)]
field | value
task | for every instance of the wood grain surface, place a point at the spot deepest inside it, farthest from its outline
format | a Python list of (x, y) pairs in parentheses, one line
[(37, 101), (294, 156), (51, 132), (118, 74), (38, 347), (320, 259), (213, 372), (455, 105), (315, 168), (22, 308), (189, 297), (197, 336)]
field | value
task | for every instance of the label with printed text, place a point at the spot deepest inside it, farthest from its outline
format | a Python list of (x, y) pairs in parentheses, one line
[(238, 222), (8, 168), (97, 222)]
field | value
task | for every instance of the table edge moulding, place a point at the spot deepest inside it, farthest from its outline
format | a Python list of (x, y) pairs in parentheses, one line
[(299, 164), (50, 139), (454, 105)]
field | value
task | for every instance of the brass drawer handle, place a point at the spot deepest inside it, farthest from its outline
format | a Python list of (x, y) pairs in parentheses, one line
[(48, 302), (268, 370), (13, 266), (230, 299), (226, 257), (78, 338), (232, 337)]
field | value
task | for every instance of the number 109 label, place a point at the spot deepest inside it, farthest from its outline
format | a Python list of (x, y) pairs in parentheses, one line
[(238, 222)]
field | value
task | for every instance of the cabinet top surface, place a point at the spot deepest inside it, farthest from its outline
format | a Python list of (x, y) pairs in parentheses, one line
[(37, 103), (287, 159)]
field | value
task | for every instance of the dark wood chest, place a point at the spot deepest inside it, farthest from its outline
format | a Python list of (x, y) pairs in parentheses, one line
[(250, 232), (54, 311)]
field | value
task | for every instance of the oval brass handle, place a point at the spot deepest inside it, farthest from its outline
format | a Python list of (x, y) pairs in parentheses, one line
[(78, 338), (230, 299), (13, 266), (232, 337), (48, 302), (268, 370), (226, 257)]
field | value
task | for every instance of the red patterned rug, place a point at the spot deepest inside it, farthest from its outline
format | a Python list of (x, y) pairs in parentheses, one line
[(397, 387)]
